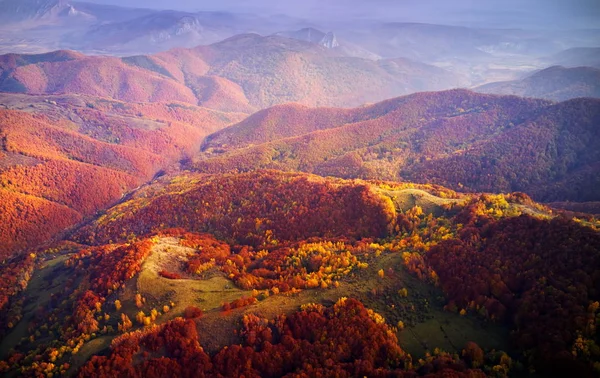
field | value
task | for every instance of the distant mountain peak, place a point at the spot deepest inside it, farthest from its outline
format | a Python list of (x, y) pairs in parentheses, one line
[(168, 30), (34, 10), (329, 41), (187, 24), (69, 10)]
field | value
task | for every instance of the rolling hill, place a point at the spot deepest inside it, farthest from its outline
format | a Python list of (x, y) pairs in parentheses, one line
[(69, 72), (576, 57), (64, 157), (247, 71), (554, 83), (459, 139), (289, 70), (257, 273)]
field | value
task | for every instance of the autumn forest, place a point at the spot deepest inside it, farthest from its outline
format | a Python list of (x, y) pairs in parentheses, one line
[(385, 202)]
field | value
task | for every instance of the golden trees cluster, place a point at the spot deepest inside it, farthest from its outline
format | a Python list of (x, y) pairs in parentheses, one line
[(282, 266)]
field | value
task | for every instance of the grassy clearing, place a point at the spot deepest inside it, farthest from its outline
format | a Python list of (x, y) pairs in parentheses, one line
[(208, 294), (89, 349), (451, 332), (427, 325), (406, 199), (533, 212)]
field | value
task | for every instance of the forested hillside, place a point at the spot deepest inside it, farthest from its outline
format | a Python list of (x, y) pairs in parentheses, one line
[(554, 83), (243, 273), (460, 139), (340, 188), (62, 158)]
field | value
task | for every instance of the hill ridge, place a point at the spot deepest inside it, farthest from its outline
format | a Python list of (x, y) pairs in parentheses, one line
[(458, 138)]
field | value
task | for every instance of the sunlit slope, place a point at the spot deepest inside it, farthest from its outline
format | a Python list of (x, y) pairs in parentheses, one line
[(250, 208)]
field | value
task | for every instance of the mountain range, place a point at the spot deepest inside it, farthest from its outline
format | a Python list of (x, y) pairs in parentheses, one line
[(482, 55), (576, 57), (330, 41), (460, 139), (41, 11), (250, 70)]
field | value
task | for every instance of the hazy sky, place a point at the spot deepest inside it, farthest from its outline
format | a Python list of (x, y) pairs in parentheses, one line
[(497, 13)]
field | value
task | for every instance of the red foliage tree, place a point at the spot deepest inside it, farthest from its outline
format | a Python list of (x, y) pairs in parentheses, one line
[(345, 340), (538, 275)]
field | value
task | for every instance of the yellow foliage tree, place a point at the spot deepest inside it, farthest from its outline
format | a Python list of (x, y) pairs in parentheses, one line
[(125, 323), (140, 317), (139, 300)]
